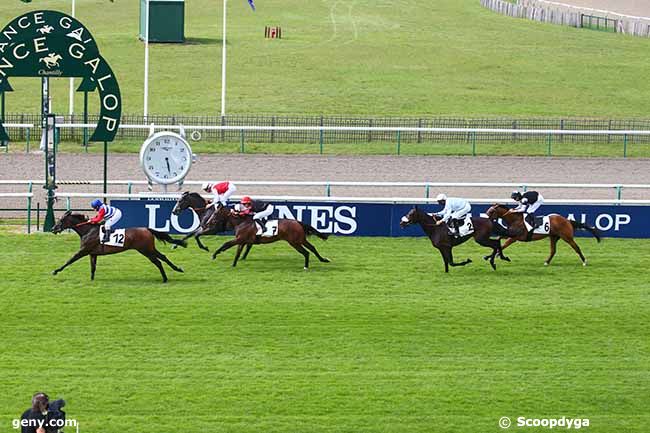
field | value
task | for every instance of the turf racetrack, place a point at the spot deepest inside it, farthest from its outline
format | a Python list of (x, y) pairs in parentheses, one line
[(379, 340)]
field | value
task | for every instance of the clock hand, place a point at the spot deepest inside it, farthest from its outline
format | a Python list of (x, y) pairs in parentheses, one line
[(168, 167)]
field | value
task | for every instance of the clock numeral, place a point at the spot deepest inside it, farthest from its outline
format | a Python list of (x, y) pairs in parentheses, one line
[(175, 174), (151, 167), (148, 158), (157, 143), (181, 167), (183, 149), (152, 149), (166, 140), (165, 176)]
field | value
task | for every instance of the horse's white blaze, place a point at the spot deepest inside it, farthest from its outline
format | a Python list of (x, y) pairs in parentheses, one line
[(405, 219)]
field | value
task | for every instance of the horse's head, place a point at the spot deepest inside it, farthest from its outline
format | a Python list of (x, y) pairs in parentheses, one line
[(496, 211), (67, 221), (188, 200), (412, 217)]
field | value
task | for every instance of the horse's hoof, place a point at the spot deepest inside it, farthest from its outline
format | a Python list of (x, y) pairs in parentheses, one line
[(181, 270), (469, 261), (486, 257), (54, 272), (305, 268), (507, 259), (174, 246), (326, 260), (584, 263), (545, 263)]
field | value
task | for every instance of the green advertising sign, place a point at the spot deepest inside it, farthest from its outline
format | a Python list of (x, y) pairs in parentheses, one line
[(53, 44)]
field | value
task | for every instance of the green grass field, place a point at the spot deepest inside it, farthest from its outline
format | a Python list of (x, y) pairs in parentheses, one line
[(407, 57), (379, 340)]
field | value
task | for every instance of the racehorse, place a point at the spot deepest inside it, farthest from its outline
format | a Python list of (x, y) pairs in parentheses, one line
[(140, 239), (197, 203), (292, 231), (444, 242), (560, 228)]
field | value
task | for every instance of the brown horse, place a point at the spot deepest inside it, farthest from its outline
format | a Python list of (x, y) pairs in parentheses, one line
[(194, 201), (444, 242), (140, 239), (560, 228), (292, 231)]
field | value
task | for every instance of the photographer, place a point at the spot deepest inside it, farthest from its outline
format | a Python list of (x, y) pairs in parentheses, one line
[(43, 416)]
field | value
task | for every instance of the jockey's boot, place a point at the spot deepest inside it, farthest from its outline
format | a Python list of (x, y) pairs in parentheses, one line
[(262, 222), (107, 235), (531, 220), (456, 228)]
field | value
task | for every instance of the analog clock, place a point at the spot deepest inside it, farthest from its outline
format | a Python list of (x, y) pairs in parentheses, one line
[(166, 158)]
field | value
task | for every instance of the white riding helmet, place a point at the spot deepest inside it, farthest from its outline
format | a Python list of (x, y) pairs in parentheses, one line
[(441, 197), (206, 186)]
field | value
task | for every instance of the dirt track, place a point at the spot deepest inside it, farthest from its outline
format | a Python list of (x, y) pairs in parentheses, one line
[(639, 8), (348, 168)]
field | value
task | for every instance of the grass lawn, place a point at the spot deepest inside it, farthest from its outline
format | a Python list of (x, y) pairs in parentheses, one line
[(410, 57), (379, 340)]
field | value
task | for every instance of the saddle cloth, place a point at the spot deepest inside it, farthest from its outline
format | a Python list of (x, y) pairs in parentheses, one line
[(116, 239), (544, 228), (271, 229), (466, 228)]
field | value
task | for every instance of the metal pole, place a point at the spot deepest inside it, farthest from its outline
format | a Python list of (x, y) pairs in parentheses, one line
[(223, 63), (86, 121), (71, 78), (474, 143), (241, 142), (29, 209), (49, 159), (548, 147), (106, 165), (625, 146), (146, 62)]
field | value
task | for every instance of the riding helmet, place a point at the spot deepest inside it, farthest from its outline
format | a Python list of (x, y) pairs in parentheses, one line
[(246, 200), (441, 197), (96, 203), (516, 195)]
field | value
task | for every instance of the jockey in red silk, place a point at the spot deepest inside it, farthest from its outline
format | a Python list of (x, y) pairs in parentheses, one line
[(220, 190), (108, 214), (259, 209)]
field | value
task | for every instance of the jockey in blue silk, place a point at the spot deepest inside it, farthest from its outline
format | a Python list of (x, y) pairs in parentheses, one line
[(454, 211), (108, 214)]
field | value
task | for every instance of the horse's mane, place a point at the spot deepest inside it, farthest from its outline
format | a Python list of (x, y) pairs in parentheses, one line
[(424, 213), (78, 216)]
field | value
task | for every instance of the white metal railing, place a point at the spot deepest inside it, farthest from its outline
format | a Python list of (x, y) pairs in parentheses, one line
[(365, 128), (328, 185)]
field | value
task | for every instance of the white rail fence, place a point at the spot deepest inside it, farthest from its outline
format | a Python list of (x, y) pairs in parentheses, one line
[(568, 15)]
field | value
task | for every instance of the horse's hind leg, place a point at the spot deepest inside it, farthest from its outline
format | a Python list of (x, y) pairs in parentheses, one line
[(246, 251), (93, 266), (445, 258), (159, 265), (495, 249), (302, 251), (164, 258), (312, 248), (224, 247), (576, 248), (554, 240)]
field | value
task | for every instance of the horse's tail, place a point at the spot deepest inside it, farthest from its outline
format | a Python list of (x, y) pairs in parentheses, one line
[(166, 238), (309, 230), (582, 226)]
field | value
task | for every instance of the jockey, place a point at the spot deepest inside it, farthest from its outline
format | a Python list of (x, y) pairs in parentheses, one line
[(221, 191), (454, 211), (259, 209), (108, 214), (528, 202)]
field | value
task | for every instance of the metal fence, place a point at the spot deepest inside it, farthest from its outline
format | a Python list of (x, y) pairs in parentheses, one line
[(357, 136)]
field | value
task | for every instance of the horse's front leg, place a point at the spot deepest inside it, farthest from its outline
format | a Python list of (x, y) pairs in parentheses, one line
[(239, 248), (77, 256), (224, 247), (246, 251), (93, 266)]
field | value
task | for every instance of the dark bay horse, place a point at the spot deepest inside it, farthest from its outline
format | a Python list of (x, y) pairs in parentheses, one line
[(444, 242), (140, 239), (292, 231), (560, 228), (194, 201)]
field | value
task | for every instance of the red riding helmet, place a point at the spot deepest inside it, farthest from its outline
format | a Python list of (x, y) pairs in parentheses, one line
[(246, 200)]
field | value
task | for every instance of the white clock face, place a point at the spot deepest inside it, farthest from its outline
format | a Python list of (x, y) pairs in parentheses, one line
[(166, 157)]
